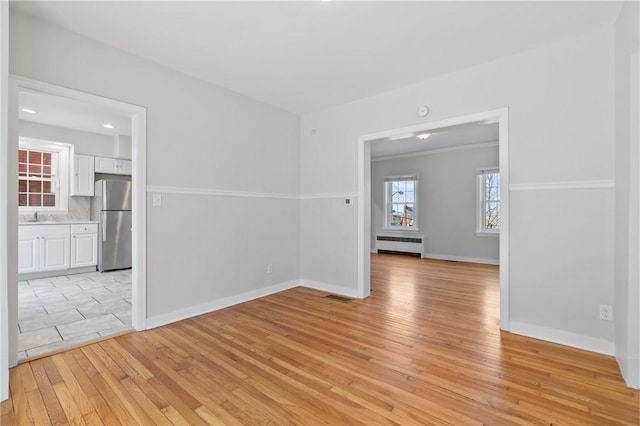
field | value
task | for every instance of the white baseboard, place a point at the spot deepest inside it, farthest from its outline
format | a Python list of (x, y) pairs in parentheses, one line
[(561, 337), (214, 305), (330, 288), (461, 258), (58, 273), (630, 369)]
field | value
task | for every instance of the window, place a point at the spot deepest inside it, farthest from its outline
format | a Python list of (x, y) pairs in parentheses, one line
[(401, 202), (489, 201), (42, 175)]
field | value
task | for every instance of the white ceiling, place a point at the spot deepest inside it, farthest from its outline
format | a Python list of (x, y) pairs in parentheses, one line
[(476, 133), (69, 113), (308, 55)]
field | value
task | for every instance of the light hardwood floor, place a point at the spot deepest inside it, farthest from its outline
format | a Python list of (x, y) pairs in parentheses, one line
[(425, 348)]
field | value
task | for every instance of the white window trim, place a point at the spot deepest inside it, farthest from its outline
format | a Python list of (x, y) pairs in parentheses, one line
[(62, 179), (387, 197), (481, 231)]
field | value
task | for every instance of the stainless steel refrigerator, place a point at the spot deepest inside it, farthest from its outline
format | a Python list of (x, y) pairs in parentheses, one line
[(111, 206)]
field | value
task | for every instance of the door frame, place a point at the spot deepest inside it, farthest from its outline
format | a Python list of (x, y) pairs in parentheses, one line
[(4, 213), (138, 116), (500, 116)]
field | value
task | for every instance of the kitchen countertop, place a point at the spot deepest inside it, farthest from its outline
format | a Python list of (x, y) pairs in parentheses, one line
[(69, 222)]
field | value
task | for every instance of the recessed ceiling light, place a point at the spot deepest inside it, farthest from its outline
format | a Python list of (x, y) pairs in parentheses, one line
[(423, 136), (109, 126), (28, 110)]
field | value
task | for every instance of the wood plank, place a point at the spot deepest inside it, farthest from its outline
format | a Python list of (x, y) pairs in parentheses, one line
[(110, 388), (425, 348), (37, 407), (93, 419), (18, 393), (80, 398), (83, 372), (68, 404), (55, 412)]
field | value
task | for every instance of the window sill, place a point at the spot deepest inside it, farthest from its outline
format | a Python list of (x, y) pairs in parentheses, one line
[(488, 234)]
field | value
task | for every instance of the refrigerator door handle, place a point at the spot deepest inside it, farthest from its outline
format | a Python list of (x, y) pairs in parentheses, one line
[(104, 226)]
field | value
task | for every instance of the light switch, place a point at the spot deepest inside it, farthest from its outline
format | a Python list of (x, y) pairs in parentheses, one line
[(157, 200)]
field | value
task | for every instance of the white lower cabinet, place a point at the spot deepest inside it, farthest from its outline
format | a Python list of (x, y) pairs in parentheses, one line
[(43, 248), (56, 247), (28, 253), (84, 245)]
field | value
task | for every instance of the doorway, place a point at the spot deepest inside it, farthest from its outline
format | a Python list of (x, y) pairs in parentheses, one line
[(364, 194), (137, 118)]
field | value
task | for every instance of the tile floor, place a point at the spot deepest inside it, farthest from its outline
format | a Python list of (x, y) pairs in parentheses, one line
[(58, 312)]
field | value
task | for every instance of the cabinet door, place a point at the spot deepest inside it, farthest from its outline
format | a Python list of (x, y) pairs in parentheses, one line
[(54, 252), (83, 173), (124, 167), (28, 254), (105, 165), (84, 250)]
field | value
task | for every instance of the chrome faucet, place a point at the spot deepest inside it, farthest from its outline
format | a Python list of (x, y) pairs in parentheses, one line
[(35, 216)]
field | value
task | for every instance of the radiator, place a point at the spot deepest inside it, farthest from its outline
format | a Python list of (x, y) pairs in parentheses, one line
[(401, 244)]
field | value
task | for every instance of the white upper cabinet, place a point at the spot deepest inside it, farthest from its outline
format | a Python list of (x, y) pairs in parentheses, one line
[(82, 175), (124, 167), (113, 166), (105, 165)]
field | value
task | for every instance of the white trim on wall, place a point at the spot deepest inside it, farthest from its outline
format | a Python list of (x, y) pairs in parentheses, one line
[(244, 194), (328, 195), (330, 288), (561, 337), (139, 218), (4, 244), (485, 261), (192, 311), (500, 116), (217, 192), (569, 185)]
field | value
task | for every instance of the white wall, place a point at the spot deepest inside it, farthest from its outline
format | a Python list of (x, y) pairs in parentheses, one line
[(447, 201), (201, 139), (560, 100), (84, 142), (627, 208)]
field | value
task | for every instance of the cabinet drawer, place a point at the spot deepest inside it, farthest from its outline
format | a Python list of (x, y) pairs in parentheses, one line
[(42, 230), (84, 228)]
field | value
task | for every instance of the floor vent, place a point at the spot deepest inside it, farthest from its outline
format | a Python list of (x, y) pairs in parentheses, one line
[(338, 298)]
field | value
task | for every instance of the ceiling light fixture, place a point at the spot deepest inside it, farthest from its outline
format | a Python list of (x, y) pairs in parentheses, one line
[(28, 110), (423, 136), (109, 126)]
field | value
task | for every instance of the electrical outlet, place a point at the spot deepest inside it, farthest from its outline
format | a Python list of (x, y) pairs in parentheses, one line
[(606, 312), (269, 268)]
